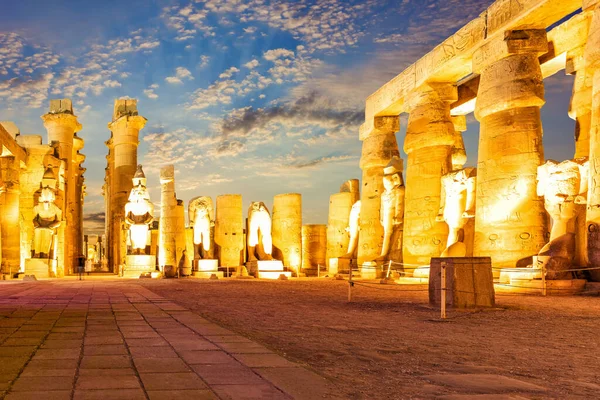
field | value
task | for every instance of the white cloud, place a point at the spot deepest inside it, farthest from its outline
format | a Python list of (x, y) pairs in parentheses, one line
[(251, 64), (228, 73), (181, 73)]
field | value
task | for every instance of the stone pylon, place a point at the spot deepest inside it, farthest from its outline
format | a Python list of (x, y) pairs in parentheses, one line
[(431, 140), (592, 67), (167, 228), (379, 146), (229, 230), (61, 125), (122, 164), (287, 230), (510, 219)]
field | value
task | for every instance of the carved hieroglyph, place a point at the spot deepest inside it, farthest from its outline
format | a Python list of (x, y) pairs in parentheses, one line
[(564, 188), (510, 220), (260, 241), (139, 213), (430, 139), (392, 211), (229, 230), (457, 207), (287, 230), (202, 219)]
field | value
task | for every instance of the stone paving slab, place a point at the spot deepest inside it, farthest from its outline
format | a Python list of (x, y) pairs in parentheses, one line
[(113, 339)]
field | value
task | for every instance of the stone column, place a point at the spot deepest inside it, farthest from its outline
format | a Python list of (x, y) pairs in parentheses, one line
[(351, 186), (229, 230), (338, 238), (592, 66), (287, 230), (314, 248), (379, 146), (9, 215), (62, 124), (580, 108), (429, 143), (107, 193), (180, 235), (510, 219), (167, 227), (125, 128), (75, 202)]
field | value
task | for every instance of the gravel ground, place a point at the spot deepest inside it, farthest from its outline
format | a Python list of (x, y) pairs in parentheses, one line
[(389, 343)]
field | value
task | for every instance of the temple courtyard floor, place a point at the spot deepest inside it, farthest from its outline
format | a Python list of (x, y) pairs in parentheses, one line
[(251, 339)]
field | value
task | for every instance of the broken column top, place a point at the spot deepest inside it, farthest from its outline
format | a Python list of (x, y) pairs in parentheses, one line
[(167, 173), (61, 106), (11, 128), (124, 107)]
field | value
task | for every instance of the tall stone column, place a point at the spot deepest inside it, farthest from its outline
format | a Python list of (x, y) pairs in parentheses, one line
[(429, 143), (167, 228), (580, 108), (351, 186), (75, 201), (125, 128), (338, 221), (379, 146), (62, 124), (510, 219), (287, 230), (229, 230), (107, 193), (592, 66), (314, 247), (10, 190)]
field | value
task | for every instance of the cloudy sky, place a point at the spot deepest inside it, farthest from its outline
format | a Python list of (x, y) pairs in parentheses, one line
[(257, 97)]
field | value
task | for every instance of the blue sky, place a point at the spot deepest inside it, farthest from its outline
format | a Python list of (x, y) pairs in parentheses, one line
[(257, 97)]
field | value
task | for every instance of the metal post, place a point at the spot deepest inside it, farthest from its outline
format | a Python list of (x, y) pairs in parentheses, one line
[(543, 280), (350, 284), (443, 301), (387, 276)]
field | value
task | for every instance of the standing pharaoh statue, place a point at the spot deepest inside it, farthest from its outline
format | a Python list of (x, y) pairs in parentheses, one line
[(139, 213), (564, 187), (457, 207), (202, 220), (260, 242), (392, 210), (48, 218)]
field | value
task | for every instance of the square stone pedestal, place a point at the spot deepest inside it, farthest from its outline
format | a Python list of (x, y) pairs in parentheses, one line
[(469, 282), (138, 264), (42, 268), (271, 269), (339, 266), (206, 268)]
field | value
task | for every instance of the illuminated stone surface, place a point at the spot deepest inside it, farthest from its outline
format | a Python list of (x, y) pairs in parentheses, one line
[(229, 230), (392, 211), (287, 230), (314, 249)]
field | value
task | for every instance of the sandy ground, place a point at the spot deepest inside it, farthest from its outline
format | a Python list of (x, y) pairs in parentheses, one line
[(390, 344)]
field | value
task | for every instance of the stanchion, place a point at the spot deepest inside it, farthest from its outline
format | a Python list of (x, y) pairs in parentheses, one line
[(443, 294), (387, 276), (350, 284), (543, 280)]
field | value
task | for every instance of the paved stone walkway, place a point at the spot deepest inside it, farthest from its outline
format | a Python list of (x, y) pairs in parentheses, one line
[(117, 340)]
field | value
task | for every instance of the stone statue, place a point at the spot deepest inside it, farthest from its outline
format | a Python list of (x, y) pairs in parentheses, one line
[(564, 187), (202, 220), (457, 207), (352, 229), (260, 242), (392, 207), (47, 218), (139, 212)]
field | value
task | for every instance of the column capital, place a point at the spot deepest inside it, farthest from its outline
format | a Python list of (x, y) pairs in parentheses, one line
[(380, 126), (526, 41), (436, 91), (66, 119), (133, 121), (460, 122)]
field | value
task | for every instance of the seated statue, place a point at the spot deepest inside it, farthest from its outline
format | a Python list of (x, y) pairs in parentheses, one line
[(47, 218), (564, 187), (201, 215), (139, 213), (392, 208), (352, 229), (457, 206), (260, 242)]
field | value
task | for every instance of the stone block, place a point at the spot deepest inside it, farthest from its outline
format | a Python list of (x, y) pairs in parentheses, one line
[(469, 282), (39, 267), (138, 264)]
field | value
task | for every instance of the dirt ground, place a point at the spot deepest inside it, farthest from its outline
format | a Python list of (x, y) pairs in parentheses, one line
[(388, 343)]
